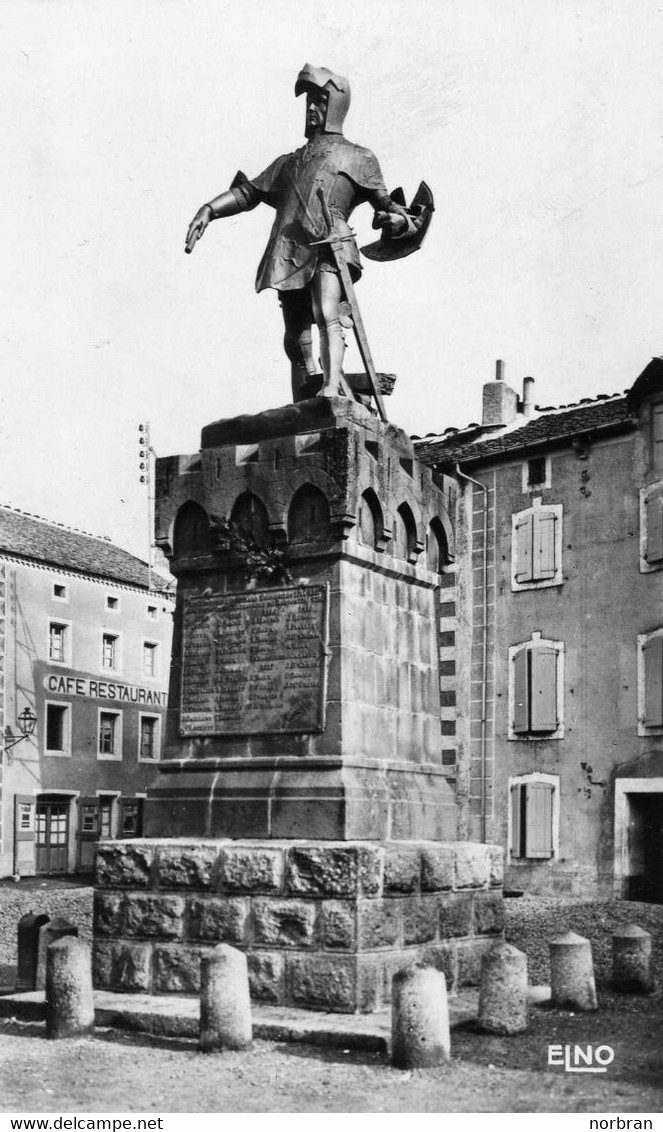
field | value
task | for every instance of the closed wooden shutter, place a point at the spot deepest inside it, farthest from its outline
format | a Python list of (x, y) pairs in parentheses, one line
[(543, 545), (521, 691), (543, 688), (653, 655), (654, 524), (523, 547), (516, 834), (538, 817)]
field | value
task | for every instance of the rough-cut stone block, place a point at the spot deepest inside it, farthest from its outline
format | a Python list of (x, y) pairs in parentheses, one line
[(338, 926), (443, 956), (266, 975), (325, 981), (488, 913), (401, 871), (379, 923), (124, 865), (283, 923), (455, 914), (369, 866), (420, 919), (437, 868), (186, 866), (251, 870), (472, 865), (369, 984), (176, 969), (160, 916), (102, 964), (322, 871), (108, 913), (496, 853), (219, 919), (131, 966)]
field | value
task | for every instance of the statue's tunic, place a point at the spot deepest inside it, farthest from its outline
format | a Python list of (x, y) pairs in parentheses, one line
[(348, 174)]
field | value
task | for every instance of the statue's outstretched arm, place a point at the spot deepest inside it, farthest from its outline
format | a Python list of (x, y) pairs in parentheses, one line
[(226, 204)]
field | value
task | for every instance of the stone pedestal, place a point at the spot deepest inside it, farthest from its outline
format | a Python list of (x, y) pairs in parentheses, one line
[(325, 925), (308, 546), (302, 775)]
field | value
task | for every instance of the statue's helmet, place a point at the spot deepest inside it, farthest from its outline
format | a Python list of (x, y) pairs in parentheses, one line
[(338, 94)]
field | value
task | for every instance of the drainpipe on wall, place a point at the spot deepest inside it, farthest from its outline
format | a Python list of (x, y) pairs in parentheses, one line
[(484, 645)]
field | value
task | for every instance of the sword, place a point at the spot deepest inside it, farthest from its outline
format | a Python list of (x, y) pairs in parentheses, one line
[(335, 243)]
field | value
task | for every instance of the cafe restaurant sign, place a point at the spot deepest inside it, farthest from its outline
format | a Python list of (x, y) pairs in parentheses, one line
[(83, 686)]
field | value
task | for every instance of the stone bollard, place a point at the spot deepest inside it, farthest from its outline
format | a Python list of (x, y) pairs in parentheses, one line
[(631, 956), (572, 973), (503, 991), (419, 1018), (69, 1000), (225, 1005)]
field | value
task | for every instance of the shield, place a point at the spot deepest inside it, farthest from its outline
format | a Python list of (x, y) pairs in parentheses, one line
[(420, 212)]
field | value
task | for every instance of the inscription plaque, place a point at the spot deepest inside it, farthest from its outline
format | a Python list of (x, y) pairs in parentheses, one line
[(254, 662)]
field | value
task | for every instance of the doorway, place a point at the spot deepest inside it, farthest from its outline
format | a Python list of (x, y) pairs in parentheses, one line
[(52, 836), (639, 839)]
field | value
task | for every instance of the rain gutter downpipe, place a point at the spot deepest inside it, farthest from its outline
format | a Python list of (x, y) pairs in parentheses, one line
[(484, 646)]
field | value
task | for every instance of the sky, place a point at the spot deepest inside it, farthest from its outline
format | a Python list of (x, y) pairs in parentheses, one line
[(538, 126)]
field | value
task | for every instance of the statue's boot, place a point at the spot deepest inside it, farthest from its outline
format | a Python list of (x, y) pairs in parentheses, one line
[(332, 349)]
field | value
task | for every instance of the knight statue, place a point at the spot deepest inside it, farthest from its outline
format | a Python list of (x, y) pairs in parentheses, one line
[(311, 258)]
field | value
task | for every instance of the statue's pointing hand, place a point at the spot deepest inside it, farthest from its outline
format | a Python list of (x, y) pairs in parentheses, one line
[(197, 227)]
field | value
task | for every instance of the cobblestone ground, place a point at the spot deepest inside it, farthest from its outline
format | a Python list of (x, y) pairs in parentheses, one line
[(114, 1072)]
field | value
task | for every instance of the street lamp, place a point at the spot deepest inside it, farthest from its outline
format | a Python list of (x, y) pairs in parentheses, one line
[(27, 721)]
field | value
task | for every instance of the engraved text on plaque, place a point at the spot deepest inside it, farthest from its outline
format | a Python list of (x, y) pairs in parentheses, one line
[(254, 662)]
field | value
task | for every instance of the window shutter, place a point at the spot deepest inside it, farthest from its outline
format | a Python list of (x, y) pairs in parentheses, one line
[(543, 712), (543, 545), (653, 654), (520, 692), (538, 817), (522, 549), (515, 821), (654, 524)]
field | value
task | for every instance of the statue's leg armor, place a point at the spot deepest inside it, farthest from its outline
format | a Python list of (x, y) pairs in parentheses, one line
[(298, 338), (326, 296)]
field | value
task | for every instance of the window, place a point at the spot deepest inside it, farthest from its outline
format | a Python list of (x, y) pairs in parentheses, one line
[(536, 547), (60, 592), (650, 682), (534, 817), (148, 738), (152, 612), (149, 658), (536, 473), (651, 528), (57, 729), (536, 689), (106, 816), (131, 817), (112, 603), (109, 650), (110, 739), (90, 818), (58, 642)]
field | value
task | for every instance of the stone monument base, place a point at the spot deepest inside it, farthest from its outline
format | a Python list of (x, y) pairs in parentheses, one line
[(325, 924)]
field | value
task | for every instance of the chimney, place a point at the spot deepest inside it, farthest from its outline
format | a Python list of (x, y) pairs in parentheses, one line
[(528, 396), (500, 403)]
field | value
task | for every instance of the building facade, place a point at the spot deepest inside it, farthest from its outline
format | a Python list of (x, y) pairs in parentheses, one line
[(558, 636), (85, 633)]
